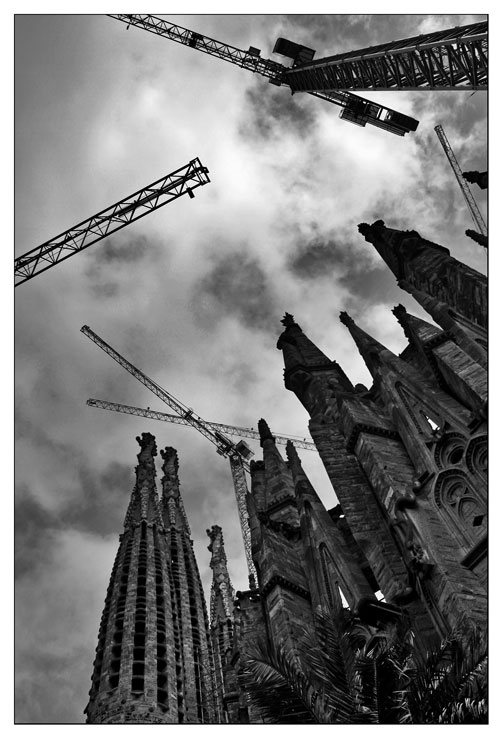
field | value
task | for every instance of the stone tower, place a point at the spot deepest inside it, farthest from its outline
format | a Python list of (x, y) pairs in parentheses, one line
[(408, 458), (153, 657), (195, 680), (222, 628)]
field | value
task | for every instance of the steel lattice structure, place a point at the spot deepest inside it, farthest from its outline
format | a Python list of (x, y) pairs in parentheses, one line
[(236, 453), (450, 60), (241, 431), (355, 109), (463, 184), (180, 182)]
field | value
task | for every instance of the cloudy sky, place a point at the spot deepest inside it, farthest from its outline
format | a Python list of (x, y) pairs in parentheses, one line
[(194, 293)]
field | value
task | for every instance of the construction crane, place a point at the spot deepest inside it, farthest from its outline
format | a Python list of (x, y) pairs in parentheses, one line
[(237, 454), (180, 182), (355, 109), (453, 59), (241, 431), (463, 184)]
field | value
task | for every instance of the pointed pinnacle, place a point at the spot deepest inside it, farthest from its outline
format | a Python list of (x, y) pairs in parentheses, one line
[(287, 320), (148, 447), (264, 431), (170, 457), (346, 319), (292, 456)]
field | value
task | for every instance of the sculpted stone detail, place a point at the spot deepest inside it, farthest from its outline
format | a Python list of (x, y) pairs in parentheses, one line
[(461, 505), (476, 456), (449, 450)]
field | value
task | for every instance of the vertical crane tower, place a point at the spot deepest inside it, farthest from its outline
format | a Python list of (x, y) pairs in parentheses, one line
[(463, 184), (237, 454)]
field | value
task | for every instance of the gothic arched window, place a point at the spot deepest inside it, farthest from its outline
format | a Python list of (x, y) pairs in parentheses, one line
[(461, 505), (476, 456), (422, 417), (450, 450)]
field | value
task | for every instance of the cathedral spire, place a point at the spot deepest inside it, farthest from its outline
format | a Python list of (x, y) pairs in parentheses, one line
[(144, 505), (264, 431), (222, 592), (416, 330), (468, 335), (278, 485), (304, 361), (172, 504), (430, 267), (396, 247), (333, 566), (369, 348), (298, 350)]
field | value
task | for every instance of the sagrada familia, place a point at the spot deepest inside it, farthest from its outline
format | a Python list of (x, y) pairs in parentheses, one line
[(408, 463)]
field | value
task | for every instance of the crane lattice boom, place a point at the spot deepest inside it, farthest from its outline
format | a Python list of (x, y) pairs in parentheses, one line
[(241, 431), (452, 59), (463, 184), (236, 453), (356, 109), (180, 182)]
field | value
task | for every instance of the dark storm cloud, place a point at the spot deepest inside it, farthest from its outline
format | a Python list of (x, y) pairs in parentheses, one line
[(368, 287), (275, 113), (120, 248), (33, 531), (38, 700), (116, 254), (236, 285), (105, 497), (99, 509), (323, 256), (318, 259)]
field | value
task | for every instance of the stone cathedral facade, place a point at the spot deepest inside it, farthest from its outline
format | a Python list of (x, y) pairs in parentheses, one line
[(407, 459)]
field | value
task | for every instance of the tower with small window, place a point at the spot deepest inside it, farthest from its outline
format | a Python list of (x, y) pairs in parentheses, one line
[(153, 662)]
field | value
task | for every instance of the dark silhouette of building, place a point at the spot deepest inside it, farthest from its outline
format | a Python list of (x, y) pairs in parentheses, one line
[(406, 541), (408, 463)]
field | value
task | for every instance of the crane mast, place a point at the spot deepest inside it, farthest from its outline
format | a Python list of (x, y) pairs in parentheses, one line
[(236, 453), (180, 182), (241, 431), (463, 184), (355, 109), (452, 59)]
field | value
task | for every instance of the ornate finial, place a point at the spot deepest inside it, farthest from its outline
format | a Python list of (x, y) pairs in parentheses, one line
[(264, 431), (346, 319), (470, 176), (256, 465), (214, 533), (291, 453), (287, 320), (367, 230), (399, 311), (170, 457), (477, 178), (479, 238), (147, 443)]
